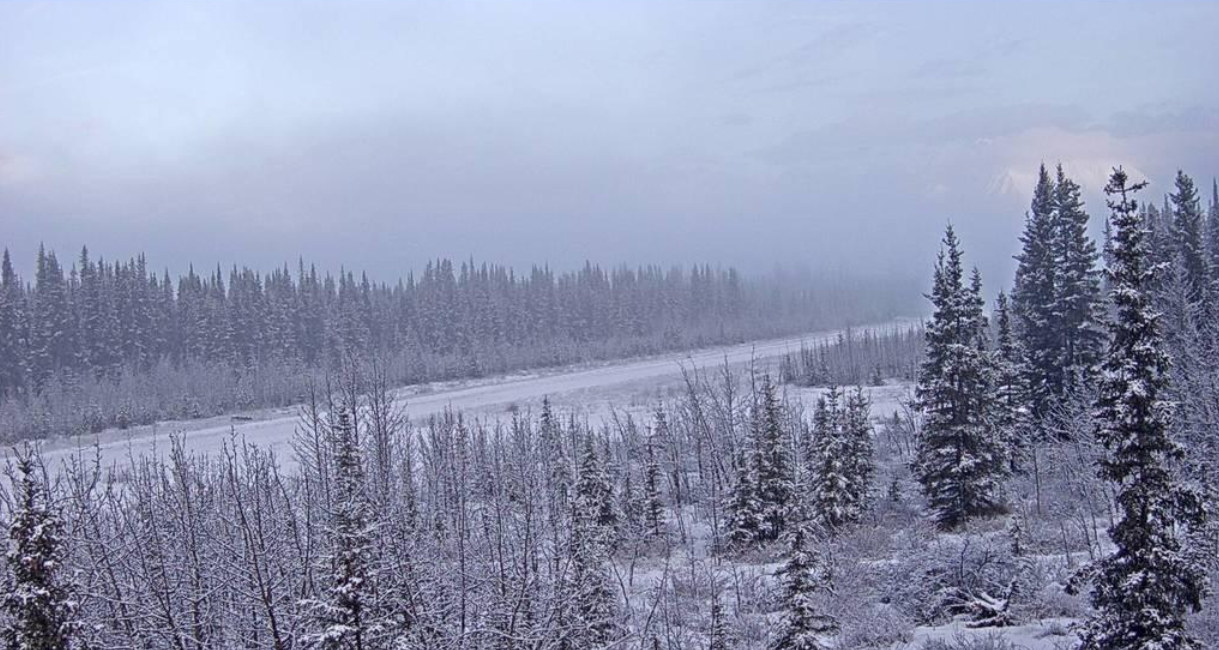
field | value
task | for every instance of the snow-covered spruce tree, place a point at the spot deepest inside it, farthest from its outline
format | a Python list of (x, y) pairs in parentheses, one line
[(1212, 244), (719, 636), (1188, 238), (857, 428), (595, 494), (744, 511), (12, 337), (592, 610), (1034, 297), (653, 502), (1143, 590), (772, 468), (960, 459), (828, 484), (840, 459), (805, 626), (557, 472), (38, 603), (1011, 394), (1078, 308), (343, 615)]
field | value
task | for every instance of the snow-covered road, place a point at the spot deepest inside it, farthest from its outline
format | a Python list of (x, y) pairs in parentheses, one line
[(581, 386)]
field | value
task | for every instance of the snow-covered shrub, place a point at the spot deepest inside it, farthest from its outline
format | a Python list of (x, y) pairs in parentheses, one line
[(874, 626), (992, 641), (972, 576)]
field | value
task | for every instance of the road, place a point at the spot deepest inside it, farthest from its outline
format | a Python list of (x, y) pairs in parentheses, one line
[(568, 387)]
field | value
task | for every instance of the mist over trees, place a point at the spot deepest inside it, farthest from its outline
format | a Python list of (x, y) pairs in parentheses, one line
[(95, 344)]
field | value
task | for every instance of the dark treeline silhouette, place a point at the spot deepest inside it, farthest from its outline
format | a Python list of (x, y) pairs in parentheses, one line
[(85, 347)]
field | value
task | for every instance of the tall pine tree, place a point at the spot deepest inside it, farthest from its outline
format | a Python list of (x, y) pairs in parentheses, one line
[(1143, 590), (1212, 244), (960, 459), (1034, 297), (1077, 312), (12, 330), (1189, 246)]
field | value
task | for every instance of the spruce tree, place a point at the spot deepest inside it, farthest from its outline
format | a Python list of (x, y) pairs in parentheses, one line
[(345, 615), (840, 459), (12, 330), (1143, 590), (1034, 296), (1212, 245), (857, 428), (653, 502), (772, 468), (960, 459), (744, 511), (593, 606), (720, 638), (38, 604), (595, 495), (50, 328), (805, 626), (1076, 313), (829, 482), (1011, 396), (1189, 244)]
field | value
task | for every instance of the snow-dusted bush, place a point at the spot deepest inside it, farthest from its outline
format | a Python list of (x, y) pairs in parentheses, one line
[(993, 641), (874, 626)]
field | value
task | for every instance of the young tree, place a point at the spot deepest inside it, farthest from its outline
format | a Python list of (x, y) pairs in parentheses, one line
[(805, 626), (829, 488), (1011, 395), (593, 606), (857, 428), (1143, 590), (744, 511), (772, 468), (346, 615), (960, 460), (595, 495), (38, 604), (840, 459), (653, 502), (720, 637)]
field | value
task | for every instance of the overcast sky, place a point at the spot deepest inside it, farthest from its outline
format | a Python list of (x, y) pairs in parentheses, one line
[(752, 133)]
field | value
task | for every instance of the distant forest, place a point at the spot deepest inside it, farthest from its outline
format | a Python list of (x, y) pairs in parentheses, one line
[(101, 344)]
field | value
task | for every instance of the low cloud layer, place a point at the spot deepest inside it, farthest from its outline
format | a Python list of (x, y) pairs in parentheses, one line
[(378, 135)]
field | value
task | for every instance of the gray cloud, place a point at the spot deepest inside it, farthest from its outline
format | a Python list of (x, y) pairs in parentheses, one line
[(752, 133)]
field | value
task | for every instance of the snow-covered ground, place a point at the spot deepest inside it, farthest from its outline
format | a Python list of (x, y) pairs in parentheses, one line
[(593, 389), (1049, 634)]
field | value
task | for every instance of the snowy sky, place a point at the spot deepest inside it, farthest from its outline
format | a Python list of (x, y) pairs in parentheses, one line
[(749, 133)]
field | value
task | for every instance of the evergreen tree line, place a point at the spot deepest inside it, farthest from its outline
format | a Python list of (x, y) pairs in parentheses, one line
[(1077, 359), (103, 344), (853, 359)]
